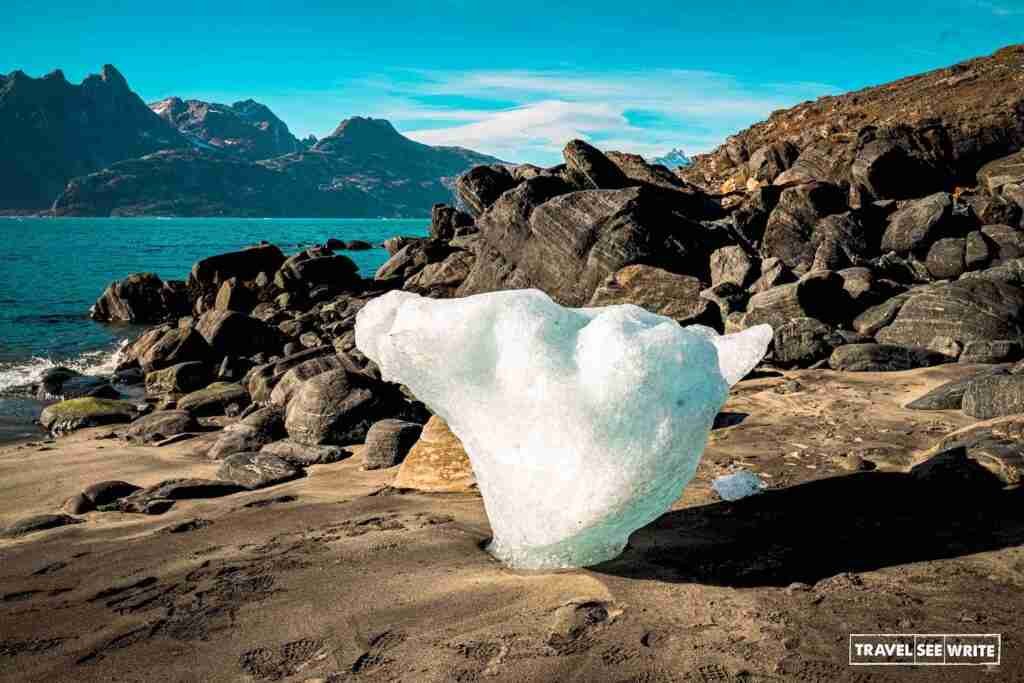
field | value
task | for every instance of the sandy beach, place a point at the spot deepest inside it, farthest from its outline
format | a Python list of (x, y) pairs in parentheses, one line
[(337, 576)]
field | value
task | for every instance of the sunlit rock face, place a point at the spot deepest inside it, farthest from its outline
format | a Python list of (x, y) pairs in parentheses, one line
[(582, 425)]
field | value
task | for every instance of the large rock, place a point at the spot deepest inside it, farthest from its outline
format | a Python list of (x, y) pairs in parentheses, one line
[(338, 407), (261, 380), (444, 278), (257, 470), (994, 396), (819, 295), (412, 258), (301, 274), (790, 232), (160, 425), (178, 379), (307, 369), (567, 245), (659, 291), (950, 396), (946, 258), (883, 358), (592, 167), (388, 442), (437, 462), (230, 332), (965, 310), (303, 455), (80, 413), (171, 347), (141, 298), (234, 296), (245, 265), (253, 432), (802, 342), (481, 186), (214, 399), (915, 226), (445, 220), (63, 383), (731, 264)]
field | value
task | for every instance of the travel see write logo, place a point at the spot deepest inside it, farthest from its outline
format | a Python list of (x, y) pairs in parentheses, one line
[(925, 649)]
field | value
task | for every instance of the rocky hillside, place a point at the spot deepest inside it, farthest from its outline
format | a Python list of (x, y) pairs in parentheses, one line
[(52, 131), (899, 140), (247, 129)]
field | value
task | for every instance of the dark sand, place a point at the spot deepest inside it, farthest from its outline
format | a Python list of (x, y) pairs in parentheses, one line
[(333, 577)]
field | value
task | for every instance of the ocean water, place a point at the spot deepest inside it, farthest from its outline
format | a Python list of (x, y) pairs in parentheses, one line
[(53, 269)]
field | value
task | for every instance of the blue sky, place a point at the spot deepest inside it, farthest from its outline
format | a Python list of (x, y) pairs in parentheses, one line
[(511, 79)]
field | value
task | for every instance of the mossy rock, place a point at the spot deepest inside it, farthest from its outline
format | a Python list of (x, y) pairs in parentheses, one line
[(214, 399), (80, 413)]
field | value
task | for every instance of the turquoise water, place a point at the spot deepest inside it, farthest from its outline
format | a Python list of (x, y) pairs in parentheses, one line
[(53, 269)]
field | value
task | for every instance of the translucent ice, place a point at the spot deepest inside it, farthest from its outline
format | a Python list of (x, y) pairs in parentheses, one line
[(582, 425), (736, 486)]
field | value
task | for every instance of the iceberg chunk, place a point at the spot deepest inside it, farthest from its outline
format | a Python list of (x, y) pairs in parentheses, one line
[(738, 485), (582, 425)]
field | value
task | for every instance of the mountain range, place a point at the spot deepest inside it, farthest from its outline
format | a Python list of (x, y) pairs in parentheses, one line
[(96, 149)]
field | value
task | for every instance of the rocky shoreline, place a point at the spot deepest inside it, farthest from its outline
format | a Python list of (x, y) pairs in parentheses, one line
[(893, 277)]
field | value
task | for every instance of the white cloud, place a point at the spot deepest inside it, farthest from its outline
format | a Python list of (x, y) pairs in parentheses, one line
[(644, 112)]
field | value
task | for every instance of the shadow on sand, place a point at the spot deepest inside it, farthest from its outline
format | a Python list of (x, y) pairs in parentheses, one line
[(811, 531)]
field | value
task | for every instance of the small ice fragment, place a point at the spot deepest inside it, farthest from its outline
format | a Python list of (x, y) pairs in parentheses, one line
[(739, 485)]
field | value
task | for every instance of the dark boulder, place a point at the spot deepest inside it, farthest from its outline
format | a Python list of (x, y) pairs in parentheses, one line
[(215, 399), (790, 232), (63, 383), (920, 222), (141, 298), (174, 346), (105, 492), (290, 382), (481, 186), (819, 295), (992, 351), (234, 296), (388, 441), (659, 291), (262, 379), (732, 264), (950, 396), (253, 432), (178, 379), (303, 455), (160, 425), (802, 342), (946, 258), (412, 258), (257, 470), (965, 310), (245, 265), (569, 244), (994, 396), (883, 358), (230, 332), (445, 220), (442, 279), (81, 413), (594, 170), (338, 407)]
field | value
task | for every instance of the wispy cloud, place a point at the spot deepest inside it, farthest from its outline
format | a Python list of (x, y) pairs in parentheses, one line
[(646, 112)]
